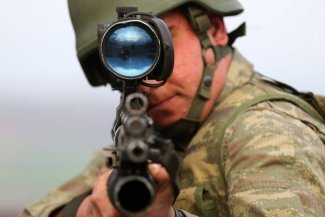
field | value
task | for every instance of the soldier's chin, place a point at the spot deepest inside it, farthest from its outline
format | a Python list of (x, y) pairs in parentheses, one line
[(163, 119)]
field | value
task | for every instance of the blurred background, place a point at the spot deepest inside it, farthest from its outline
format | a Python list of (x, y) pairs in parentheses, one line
[(52, 120)]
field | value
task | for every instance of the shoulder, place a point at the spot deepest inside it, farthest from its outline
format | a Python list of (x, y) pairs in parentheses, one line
[(63, 194), (275, 118), (272, 152)]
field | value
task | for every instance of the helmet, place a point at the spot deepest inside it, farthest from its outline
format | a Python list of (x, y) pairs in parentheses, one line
[(86, 14)]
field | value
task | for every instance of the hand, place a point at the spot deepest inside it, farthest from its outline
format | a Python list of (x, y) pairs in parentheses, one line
[(98, 204)]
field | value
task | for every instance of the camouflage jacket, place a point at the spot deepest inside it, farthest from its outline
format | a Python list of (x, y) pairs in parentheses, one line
[(268, 161)]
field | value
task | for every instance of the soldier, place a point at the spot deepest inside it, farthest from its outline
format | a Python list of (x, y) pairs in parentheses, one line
[(253, 147)]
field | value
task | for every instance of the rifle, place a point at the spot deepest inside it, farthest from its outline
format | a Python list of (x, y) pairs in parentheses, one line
[(136, 50)]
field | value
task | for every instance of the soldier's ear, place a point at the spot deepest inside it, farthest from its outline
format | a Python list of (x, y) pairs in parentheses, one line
[(218, 33)]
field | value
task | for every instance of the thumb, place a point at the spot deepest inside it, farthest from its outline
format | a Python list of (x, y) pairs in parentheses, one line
[(159, 173)]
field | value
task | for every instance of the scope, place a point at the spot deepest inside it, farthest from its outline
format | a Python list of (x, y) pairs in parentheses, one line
[(137, 47)]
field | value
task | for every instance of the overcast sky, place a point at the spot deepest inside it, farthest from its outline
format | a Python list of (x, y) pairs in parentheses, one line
[(51, 120)]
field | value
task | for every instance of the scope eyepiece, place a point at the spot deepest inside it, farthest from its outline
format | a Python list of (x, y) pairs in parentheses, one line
[(137, 47), (130, 49)]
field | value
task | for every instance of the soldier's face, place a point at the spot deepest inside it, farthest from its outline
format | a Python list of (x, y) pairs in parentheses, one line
[(172, 101)]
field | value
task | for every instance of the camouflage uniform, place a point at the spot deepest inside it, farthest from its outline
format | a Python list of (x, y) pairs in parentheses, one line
[(269, 160)]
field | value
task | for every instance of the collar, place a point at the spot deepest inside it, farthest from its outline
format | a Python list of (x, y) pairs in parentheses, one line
[(239, 73)]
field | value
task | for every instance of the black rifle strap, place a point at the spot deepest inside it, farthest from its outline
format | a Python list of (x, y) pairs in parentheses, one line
[(71, 209)]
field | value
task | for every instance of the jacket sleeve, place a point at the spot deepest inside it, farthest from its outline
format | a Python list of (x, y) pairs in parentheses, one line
[(274, 165), (65, 193)]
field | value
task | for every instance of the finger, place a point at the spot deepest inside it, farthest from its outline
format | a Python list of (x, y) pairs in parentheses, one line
[(99, 199), (165, 193), (160, 174), (102, 172)]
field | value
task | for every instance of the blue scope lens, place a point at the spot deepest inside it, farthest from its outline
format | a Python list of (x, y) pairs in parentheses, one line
[(130, 49)]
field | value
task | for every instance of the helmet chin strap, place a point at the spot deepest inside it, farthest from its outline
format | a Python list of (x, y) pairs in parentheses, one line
[(183, 130), (201, 23)]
